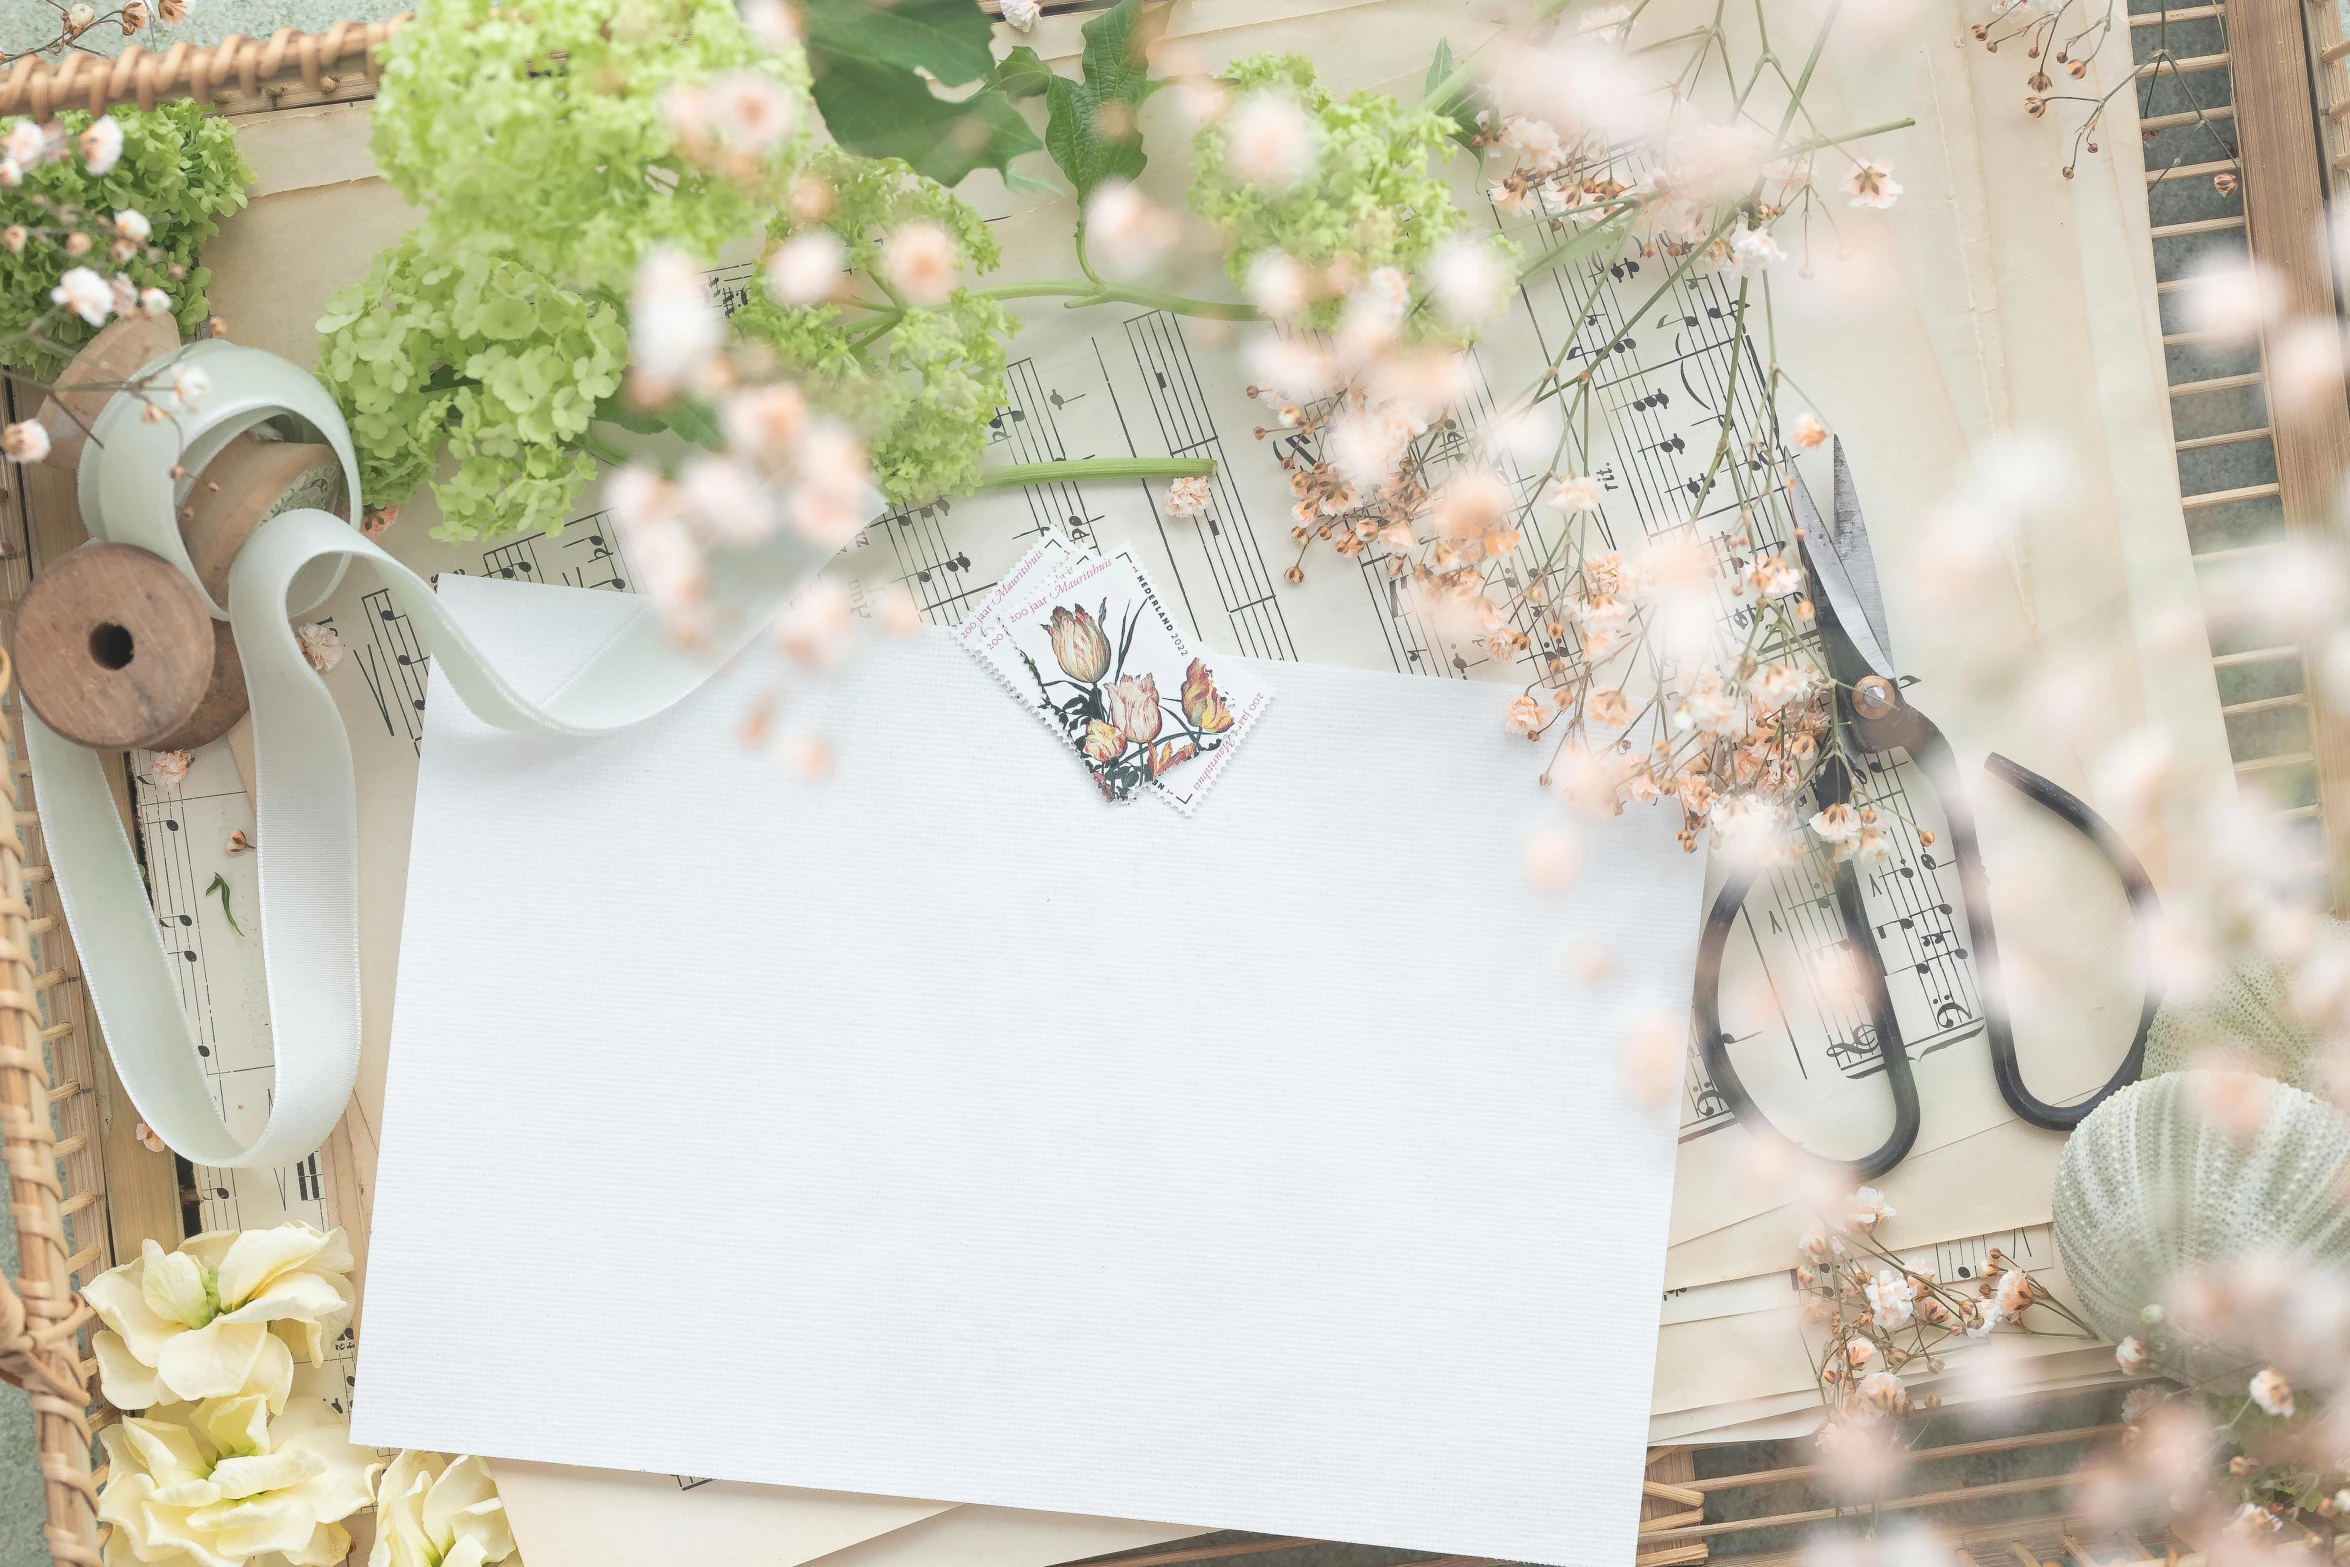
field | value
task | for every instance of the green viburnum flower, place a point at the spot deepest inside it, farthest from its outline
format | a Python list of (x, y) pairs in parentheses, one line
[(921, 395), (1372, 200), (179, 169), (484, 355), (551, 147), (551, 131)]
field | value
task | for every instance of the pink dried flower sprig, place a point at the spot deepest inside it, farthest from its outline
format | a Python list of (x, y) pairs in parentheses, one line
[(1887, 1318)]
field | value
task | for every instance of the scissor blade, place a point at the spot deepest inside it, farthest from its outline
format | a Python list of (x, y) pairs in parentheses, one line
[(1843, 572), (1850, 536)]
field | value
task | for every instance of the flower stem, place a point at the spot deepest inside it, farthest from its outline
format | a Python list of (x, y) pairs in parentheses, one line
[(1613, 227), (1096, 468), (1818, 142), (1086, 292), (600, 449)]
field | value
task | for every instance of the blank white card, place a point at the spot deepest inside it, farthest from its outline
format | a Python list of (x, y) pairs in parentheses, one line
[(942, 1130)]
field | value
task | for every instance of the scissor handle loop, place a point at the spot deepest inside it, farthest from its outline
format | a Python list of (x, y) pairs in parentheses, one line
[(1940, 766), (1713, 1046), (1933, 755)]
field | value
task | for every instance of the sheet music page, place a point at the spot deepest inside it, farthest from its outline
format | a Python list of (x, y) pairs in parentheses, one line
[(206, 896)]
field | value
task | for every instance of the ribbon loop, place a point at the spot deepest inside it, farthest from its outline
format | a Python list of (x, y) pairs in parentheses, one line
[(306, 812)]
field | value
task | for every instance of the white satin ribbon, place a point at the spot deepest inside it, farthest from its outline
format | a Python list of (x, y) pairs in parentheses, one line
[(306, 813)]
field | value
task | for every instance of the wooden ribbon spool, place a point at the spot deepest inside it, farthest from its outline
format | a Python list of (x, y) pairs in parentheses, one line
[(115, 646)]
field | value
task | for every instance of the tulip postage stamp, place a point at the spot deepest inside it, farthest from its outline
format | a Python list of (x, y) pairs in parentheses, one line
[(1086, 642)]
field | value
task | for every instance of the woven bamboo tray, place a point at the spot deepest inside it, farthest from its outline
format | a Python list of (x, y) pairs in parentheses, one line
[(238, 75), (51, 1126)]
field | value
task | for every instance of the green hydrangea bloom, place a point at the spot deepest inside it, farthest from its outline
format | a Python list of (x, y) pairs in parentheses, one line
[(180, 169), (1373, 199), (921, 395), (539, 130), (480, 353), (537, 141)]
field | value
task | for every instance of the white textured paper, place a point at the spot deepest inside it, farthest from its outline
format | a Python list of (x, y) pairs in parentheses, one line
[(942, 1131)]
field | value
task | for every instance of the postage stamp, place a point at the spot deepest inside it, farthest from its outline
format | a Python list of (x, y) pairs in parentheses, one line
[(1086, 641)]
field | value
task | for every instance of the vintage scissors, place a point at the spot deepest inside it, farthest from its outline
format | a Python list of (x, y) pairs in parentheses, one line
[(1849, 610)]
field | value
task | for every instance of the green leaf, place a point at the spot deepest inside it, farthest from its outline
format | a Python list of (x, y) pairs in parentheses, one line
[(1015, 180), (947, 38), (1021, 74), (1092, 129), (220, 885), (1462, 104), (882, 114), (694, 422), (865, 56), (1117, 45), (617, 409)]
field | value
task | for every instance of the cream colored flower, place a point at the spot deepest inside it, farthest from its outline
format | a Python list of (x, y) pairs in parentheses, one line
[(1127, 229), (2130, 1354), (1774, 577), (1892, 1298), (2273, 1393), (322, 646), (84, 292), (25, 441), (1867, 1207), (1807, 432), (1883, 1390), (1270, 144), (918, 258), (217, 1483), (1836, 823), (1751, 250), (1189, 498), (222, 1316), (1871, 183), (805, 269), (26, 144), (1573, 492), (101, 145), (432, 1511)]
